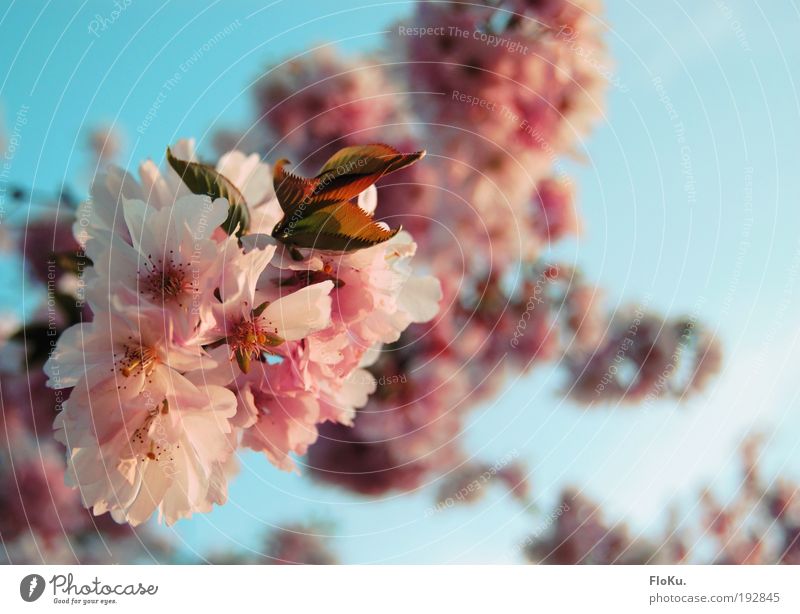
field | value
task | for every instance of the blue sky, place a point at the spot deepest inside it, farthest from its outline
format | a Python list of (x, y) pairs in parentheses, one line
[(696, 210)]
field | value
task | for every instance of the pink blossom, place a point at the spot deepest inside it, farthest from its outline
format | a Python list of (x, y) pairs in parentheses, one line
[(139, 432), (318, 103), (33, 497), (299, 545)]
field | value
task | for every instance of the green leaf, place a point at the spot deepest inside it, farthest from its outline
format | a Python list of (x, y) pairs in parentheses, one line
[(204, 179), (317, 211), (344, 176), (340, 227), (367, 160), (352, 170)]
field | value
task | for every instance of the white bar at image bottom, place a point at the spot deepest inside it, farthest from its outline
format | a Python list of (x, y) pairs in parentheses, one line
[(379, 589)]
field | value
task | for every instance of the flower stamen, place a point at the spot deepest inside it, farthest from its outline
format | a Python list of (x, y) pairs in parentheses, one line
[(164, 280), (137, 360), (250, 339)]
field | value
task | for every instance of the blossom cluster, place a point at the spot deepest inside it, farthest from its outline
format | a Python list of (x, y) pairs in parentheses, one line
[(759, 524), (207, 336), (294, 544)]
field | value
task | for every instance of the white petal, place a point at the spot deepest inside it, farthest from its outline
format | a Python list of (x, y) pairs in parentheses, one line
[(420, 298), (155, 189), (368, 199), (301, 313), (136, 212), (151, 492), (252, 177)]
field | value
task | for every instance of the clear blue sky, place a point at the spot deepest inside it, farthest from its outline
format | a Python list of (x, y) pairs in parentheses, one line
[(729, 70)]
